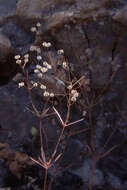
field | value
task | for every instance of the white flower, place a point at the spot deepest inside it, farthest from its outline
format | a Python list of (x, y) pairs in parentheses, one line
[(42, 86), (73, 99), (36, 71), (33, 29), (35, 84), (52, 94), (38, 24), (76, 95), (49, 66), (84, 113), (26, 60), (39, 57), (18, 61), (45, 63), (21, 84), (46, 93), (60, 51), (69, 87), (46, 44), (44, 69), (38, 50), (17, 57), (33, 48), (39, 75), (64, 64), (38, 66), (73, 91), (26, 56)]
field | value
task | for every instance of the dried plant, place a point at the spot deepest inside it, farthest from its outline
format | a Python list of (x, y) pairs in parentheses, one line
[(70, 92), (55, 80)]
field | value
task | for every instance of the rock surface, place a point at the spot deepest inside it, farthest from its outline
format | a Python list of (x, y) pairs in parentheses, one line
[(6, 53), (93, 36)]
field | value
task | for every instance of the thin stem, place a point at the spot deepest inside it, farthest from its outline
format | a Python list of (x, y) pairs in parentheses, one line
[(52, 179), (41, 141), (68, 112), (40, 127), (30, 96), (92, 131), (58, 142), (92, 175), (45, 179)]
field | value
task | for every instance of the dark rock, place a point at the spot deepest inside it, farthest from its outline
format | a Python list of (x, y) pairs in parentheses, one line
[(13, 103), (7, 64), (85, 173), (121, 15), (7, 9), (93, 36)]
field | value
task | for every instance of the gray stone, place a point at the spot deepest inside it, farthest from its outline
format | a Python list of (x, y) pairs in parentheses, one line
[(14, 115), (121, 15), (7, 9), (114, 181), (85, 173), (6, 52)]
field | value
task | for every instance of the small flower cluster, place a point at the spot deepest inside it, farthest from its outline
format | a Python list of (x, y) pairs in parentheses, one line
[(46, 94), (18, 59), (39, 69), (70, 87), (35, 84), (34, 48), (65, 65), (35, 29), (60, 51), (46, 44), (26, 58), (74, 95), (21, 84), (42, 86)]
